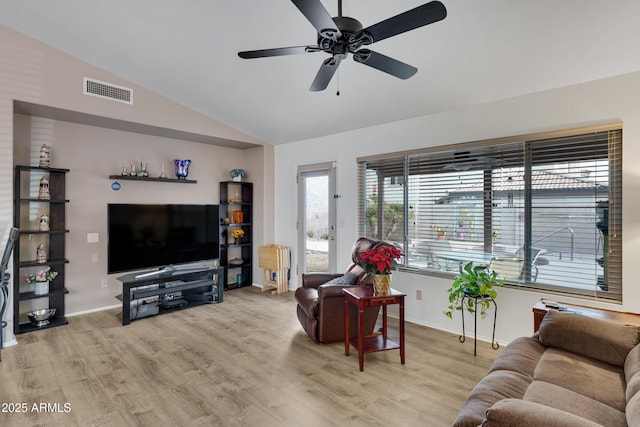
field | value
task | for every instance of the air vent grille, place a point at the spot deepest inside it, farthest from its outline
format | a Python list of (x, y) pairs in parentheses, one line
[(108, 91)]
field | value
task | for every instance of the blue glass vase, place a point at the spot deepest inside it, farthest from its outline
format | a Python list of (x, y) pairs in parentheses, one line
[(182, 168)]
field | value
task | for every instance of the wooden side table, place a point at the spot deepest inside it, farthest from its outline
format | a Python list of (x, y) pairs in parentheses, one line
[(540, 309), (362, 297)]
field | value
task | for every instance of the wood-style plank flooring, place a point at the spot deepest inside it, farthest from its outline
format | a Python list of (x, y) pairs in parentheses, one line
[(245, 362)]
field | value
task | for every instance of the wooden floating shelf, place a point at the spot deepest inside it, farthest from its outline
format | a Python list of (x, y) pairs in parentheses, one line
[(139, 178)]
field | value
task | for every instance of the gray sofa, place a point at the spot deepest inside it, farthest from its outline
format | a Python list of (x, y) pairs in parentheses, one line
[(575, 371)]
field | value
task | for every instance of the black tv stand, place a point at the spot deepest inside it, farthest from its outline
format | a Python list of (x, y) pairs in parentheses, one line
[(169, 289)]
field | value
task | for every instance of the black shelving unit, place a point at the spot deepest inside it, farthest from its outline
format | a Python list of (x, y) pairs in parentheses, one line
[(236, 197), (27, 210)]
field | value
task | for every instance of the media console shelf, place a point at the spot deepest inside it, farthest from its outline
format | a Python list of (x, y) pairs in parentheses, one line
[(162, 291), (141, 178)]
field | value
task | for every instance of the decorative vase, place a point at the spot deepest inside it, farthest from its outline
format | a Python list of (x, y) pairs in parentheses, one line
[(237, 217), (182, 168), (143, 170), (381, 284), (236, 240), (41, 288)]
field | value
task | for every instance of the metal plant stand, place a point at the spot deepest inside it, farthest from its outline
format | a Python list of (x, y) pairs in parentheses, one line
[(476, 300)]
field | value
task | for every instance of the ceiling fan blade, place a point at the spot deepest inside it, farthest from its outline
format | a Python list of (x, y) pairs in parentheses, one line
[(410, 20), (384, 63), (280, 51), (315, 12), (325, 73)]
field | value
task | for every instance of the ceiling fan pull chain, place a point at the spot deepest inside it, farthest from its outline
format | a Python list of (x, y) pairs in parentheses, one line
[(338, 82)]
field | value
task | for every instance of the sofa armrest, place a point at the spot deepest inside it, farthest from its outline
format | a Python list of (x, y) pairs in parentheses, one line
[(313, 280), (523, 413)]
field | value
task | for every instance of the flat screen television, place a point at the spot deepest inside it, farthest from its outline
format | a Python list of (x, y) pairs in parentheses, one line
[(148, 236)]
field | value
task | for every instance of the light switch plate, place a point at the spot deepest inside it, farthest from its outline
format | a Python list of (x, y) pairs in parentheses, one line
[(93, 237)]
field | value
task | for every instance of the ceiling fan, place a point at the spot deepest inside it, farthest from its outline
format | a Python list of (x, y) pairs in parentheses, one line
[(342, 35)]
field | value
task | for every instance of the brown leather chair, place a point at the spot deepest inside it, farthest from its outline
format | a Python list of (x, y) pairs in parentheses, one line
[(321, 300)]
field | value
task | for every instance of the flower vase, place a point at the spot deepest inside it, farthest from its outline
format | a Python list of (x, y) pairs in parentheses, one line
[(41, 288), (182, 168), (381, 284), (236, 240)]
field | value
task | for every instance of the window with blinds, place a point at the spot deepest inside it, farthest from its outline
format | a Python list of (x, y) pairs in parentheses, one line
[(544, 213)]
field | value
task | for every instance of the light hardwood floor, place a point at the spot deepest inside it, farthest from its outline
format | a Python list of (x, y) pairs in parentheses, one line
[(245, 362)]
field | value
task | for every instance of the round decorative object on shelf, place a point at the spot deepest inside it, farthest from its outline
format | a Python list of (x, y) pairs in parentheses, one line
[(41, 317), (236, 261)]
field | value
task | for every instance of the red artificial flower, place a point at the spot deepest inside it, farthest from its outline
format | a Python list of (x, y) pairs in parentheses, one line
[(380, 260)]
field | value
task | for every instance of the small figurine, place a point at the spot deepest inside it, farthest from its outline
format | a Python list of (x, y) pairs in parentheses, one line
[(45, 160), (41, 254), (43, 193), (43, 223)]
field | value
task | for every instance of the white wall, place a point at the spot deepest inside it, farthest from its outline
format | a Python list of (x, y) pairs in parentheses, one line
[(32, 72), (92, 154), (603, 101)]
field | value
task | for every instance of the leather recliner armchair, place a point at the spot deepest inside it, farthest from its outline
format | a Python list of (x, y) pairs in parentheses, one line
[(321, 300)]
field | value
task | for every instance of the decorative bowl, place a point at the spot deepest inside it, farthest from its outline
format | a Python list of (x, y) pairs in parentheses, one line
[(236, 261), (41, 317)]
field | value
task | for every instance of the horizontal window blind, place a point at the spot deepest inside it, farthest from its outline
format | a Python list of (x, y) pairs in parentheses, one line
[(550, 205)]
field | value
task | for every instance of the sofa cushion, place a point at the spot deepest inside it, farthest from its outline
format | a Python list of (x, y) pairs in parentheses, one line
[(591, 378), (632, 372), (601, 340), (633, 411), (566, 400), (497, 385), (521, 355), (523, 413)]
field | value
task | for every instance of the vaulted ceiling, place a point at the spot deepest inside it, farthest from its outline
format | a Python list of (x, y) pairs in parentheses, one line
[(483, 51)]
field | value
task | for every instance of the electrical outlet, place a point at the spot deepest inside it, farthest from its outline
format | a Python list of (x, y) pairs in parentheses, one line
[(104, 283), (419, 294)]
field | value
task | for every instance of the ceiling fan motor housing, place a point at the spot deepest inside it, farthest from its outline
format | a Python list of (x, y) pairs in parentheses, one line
[(351, 39)]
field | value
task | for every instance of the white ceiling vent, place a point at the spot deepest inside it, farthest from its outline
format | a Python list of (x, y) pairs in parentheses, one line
[(105, 90)]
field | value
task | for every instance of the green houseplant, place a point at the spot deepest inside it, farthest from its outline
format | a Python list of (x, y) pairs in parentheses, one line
[(473, 281)]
